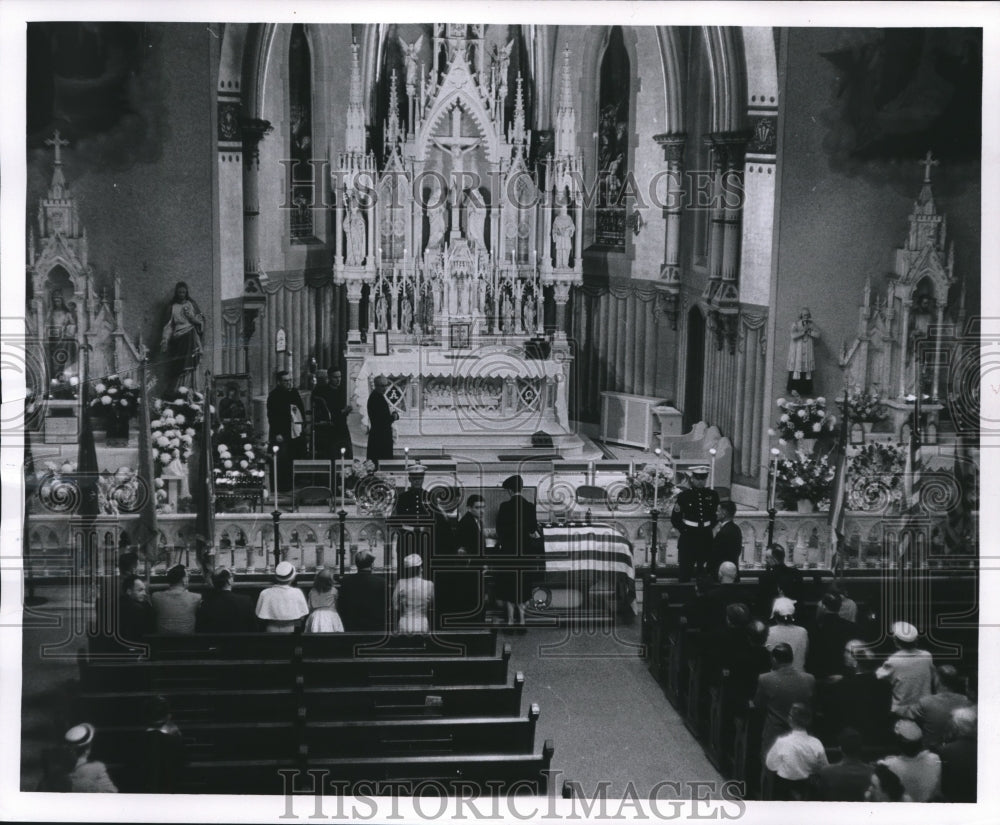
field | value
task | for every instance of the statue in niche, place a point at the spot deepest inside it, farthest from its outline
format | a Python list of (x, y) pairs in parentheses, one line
[(563, 230), (435, 215), (355, 235), (181, 339), (917, 336), (476, 216), (529, 315), (508, 315), (381, 322), (406, 315), (801, 356), (411, 54), (61, 345)]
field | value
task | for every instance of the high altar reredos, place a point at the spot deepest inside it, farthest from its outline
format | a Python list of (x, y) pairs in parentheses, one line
[(457, 261)]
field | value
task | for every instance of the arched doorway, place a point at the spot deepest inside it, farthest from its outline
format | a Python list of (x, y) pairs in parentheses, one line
[(694, 374)]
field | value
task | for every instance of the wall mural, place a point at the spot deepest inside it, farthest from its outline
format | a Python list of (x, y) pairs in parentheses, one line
[(612, 143)]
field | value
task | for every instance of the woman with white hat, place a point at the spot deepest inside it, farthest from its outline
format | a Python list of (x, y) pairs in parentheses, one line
[(71, 769), (413, 597), (282, 606)]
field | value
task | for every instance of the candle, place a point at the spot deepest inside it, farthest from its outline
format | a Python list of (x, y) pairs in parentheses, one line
[(406, 458), (631, 467), (656, 493), (274, 463), (343, 478), (774, 477), (711, 475)]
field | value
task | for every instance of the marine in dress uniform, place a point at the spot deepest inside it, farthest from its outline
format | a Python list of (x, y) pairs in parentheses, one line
[(694, 516)]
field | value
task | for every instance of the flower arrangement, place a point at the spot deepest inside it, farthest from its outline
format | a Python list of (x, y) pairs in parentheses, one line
[(120, 492), (803, 418), (240, 457), (63, 388), (654, 482), (361, 468), (865, 406), (875, 476), (173, 431), (58, 490), (116, 397), (804, 477)]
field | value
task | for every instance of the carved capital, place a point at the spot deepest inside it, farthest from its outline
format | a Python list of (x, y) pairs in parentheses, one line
[(253, 131), (667, 304), (725, 326), (673, 146), (562, 289), (354, 288)]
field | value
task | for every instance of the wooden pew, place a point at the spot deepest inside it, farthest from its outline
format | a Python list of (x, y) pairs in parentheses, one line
[(492, 773), (326, 645), (116, 708)]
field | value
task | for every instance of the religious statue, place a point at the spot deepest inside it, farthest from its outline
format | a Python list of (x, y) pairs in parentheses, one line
[(563, 230), (508, 315), (801, 359), (61, 337), (435, 215), (529, 315), (355, 235), (411, 54), (476, 218), (405, 315), (917, 336), (381, 322), (181, 339)]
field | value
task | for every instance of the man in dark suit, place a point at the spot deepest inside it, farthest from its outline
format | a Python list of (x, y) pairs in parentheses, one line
[(330, 417), (285, 416), (694, 515), (363, 602), (222, 610), (517, 536), (778, 579), (728, 542), (135, 612), (777, 691), (380, 418), (827, 638)]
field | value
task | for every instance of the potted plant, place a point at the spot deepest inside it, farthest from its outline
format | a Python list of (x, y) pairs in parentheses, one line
[(116, 400), (803, 482), (803, 419), (654, 481), (866, 407)]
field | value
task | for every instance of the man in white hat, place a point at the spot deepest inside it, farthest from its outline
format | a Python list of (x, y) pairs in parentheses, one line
[(919, 770), (909, 670), (694, 517), (84, 775), (282, 606)]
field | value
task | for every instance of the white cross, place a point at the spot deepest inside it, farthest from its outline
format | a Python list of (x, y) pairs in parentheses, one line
[(58, 143)]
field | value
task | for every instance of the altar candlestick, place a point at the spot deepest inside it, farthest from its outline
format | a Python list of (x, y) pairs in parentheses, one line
[(406, 458), (656, 492), (774, 477), (274, 463), (631, 467), (343, 478), (711, 475)]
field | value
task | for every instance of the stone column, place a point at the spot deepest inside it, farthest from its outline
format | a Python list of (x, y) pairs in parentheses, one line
[(354, 286), (673, 154), (254, 131), (562, 298), (732, 207)]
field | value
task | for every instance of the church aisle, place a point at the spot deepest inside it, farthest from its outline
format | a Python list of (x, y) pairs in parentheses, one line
[(606, 714)]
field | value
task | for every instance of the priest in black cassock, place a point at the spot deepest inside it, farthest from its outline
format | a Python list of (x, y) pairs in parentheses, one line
[(285, 417), (330, 417), (380, 418)]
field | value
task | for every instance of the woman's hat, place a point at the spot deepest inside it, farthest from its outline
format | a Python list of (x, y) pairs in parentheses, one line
[(904, 631), (411, 561), (80, 735), (284, 572), (783, 607)]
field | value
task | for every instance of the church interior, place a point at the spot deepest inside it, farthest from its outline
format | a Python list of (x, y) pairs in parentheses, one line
[(540, 327)]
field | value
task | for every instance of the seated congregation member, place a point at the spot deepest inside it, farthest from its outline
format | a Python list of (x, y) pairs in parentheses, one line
[(848, 607), (729, 646), (859, 699), (176, 607), (282, 607), (727, 545), (362, 601), (848, 779), (778, 579), (165, 755), (827, 639), (785, 630), (795, 757), (517, 537), (777, 691), (933, 712), (222, 610), (885, 786), (413, 597), (958, 757), (73, 771), (919, 770), (323, 617), (136, 619), (708, 609), (910, 671)]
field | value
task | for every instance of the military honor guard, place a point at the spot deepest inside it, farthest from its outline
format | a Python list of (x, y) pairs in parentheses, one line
[(694, 516)]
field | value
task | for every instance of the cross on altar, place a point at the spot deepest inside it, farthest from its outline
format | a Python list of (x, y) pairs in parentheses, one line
[(927, 163), (456, 145), (58, 143)]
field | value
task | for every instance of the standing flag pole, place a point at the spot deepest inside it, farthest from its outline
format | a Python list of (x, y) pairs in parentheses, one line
[(838, 504), (149, 532), (205, 492)]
